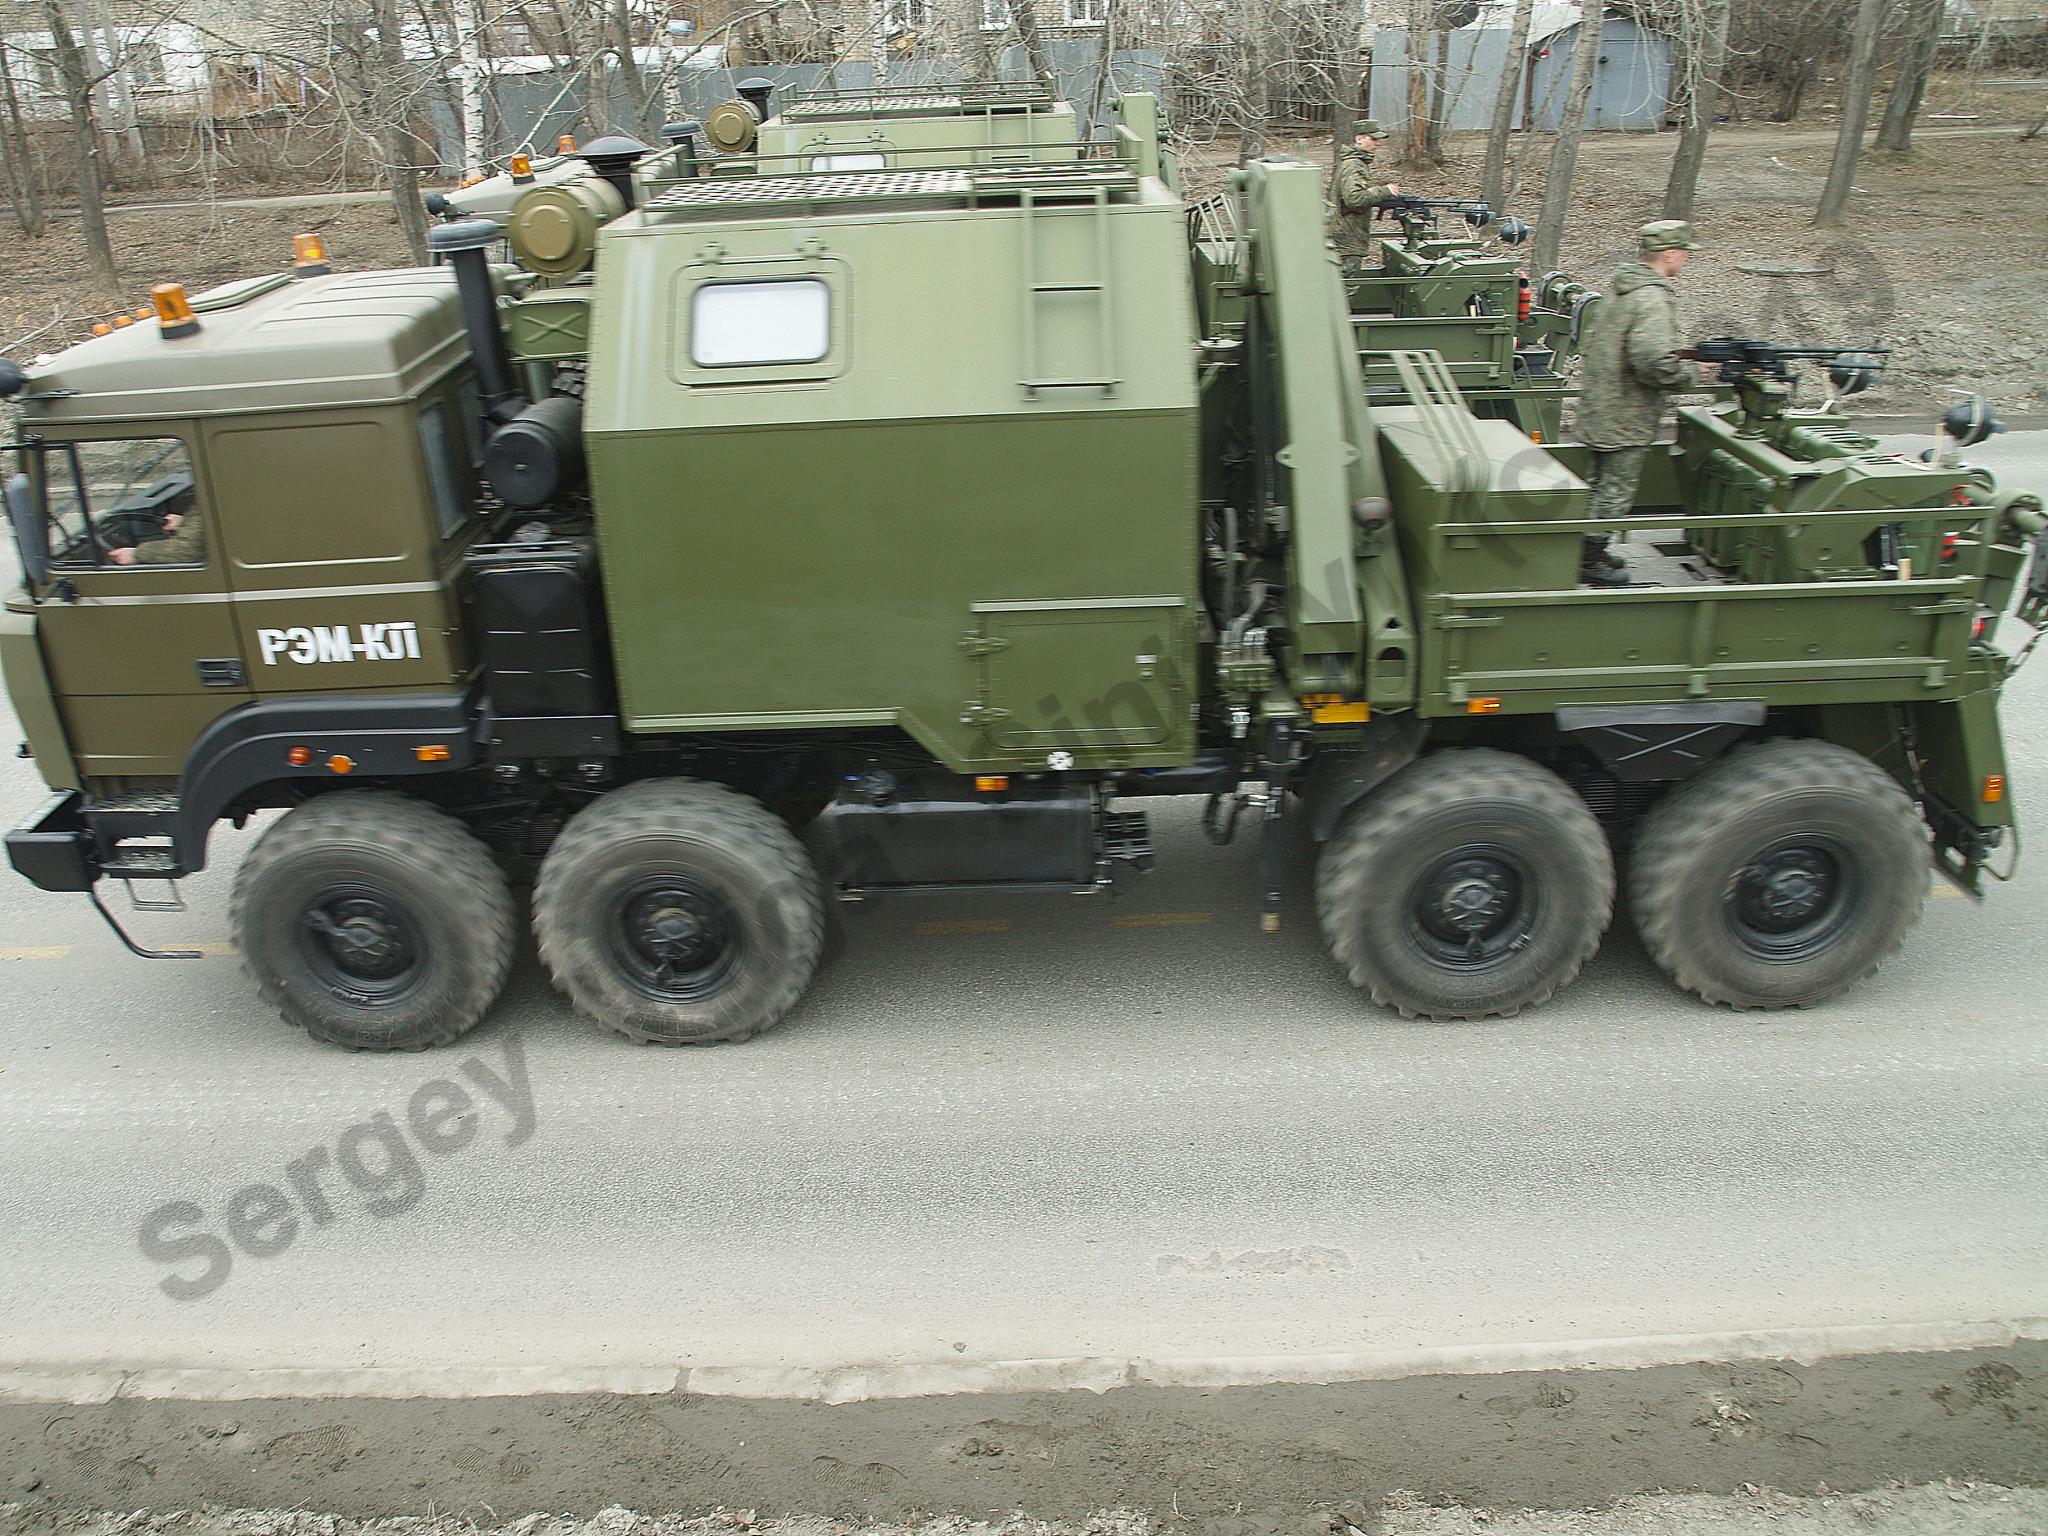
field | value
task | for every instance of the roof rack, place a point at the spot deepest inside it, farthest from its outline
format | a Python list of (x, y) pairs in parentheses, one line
[(954, 186), (925, 176), (932, 100)]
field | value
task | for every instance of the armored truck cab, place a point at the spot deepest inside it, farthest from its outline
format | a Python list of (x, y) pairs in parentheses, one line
[(916, 511), (316, 437)]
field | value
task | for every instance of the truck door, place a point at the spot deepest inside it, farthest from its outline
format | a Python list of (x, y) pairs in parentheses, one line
[(346, 531), (139, 637), (1090, 672)]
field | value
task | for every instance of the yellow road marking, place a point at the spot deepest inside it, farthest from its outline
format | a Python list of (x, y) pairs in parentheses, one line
[(45, 952), (963, 925), (1160, 920)]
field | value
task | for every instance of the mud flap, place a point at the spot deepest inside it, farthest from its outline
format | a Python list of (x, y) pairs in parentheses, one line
[(1965, 791)]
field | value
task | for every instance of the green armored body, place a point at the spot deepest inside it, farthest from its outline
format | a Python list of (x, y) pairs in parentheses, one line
[(926, 515)]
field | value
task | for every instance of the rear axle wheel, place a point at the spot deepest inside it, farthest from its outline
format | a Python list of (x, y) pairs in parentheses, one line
[(679, 913), (1472, 884), (1779, 877)]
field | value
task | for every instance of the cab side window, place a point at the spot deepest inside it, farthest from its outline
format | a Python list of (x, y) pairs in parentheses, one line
[(122, 502)]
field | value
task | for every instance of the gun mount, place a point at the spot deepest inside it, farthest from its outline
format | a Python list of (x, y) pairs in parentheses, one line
[(1764, 378), (1418, 214)]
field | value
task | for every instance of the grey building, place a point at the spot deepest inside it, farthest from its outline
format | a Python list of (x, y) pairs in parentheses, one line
[(1631, 83)]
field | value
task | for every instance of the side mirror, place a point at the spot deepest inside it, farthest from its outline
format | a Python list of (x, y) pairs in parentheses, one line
[(31, 533)]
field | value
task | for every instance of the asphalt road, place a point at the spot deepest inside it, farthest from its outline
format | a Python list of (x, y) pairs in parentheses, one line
[(1005, 1128)]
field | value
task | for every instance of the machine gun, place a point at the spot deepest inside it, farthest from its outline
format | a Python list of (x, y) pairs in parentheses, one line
[(1762, 374), (1416, 215)]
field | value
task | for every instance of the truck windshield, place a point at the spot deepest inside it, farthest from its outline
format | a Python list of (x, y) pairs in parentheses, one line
[(122, 502)]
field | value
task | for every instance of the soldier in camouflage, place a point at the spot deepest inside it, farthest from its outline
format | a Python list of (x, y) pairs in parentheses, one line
[(1357, 196), (1630, 361)]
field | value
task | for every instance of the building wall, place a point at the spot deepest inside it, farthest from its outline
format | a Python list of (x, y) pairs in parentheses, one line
[(1631, 85)]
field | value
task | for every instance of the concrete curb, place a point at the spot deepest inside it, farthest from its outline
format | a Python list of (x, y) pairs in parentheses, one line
[(854, 1383)]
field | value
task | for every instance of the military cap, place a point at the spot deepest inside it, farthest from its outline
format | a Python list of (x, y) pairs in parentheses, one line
[(1666, 235), (1373, 128)]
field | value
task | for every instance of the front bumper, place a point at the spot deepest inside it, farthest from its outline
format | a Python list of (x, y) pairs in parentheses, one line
[(55, 849)]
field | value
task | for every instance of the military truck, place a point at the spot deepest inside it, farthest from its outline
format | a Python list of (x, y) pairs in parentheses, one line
[(1451, 282), (904, 533)]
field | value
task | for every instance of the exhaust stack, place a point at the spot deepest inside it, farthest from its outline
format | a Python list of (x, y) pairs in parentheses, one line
[(463, 244)]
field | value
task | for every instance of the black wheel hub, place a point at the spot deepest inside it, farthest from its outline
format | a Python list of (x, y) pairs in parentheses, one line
[(1472, 908), (363, 944), (678, 940), (1793, 899)]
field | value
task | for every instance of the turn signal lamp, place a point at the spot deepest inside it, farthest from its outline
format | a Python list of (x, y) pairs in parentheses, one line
[(1994, 788), (341, 762), (991, 783), (174, 315), (298, 757), (309, 256), (1487, 706), (431, 754)]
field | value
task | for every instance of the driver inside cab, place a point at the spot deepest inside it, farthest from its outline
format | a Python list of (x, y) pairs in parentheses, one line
[(183, 541)]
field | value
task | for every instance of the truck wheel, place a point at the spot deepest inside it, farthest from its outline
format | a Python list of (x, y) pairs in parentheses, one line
[(374, 921), (679, 913), (1468, 886), (1782, 875)]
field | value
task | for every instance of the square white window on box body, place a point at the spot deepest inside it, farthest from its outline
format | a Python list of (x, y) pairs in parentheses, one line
[(866, 161), (751, 325)]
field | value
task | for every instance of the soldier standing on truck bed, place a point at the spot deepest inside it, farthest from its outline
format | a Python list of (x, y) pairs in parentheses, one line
[(1630, 362), (1357, 196)]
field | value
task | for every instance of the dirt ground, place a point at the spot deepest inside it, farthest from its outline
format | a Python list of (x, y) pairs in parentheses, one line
[(1275, 1460), (1946, 1509), (1940, 261)]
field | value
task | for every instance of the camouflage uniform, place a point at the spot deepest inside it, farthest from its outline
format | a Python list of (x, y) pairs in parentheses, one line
[(1629, 362), (1357, 197), (185, 547)]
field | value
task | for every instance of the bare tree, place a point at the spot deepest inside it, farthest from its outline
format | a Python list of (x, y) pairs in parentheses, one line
[(1493, 178), (1916, 64), (1024, 15), (1856, 93), (387, 92), (1418, 149), (17, 161), (1783, 44), (1257, 112), (1340, 47), (1704, 54), (1564, 154), (77, 84)]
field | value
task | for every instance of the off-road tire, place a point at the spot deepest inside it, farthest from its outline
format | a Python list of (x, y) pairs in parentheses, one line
[(1411, 837), (1686, 879), (741, 867), (351, 850)]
